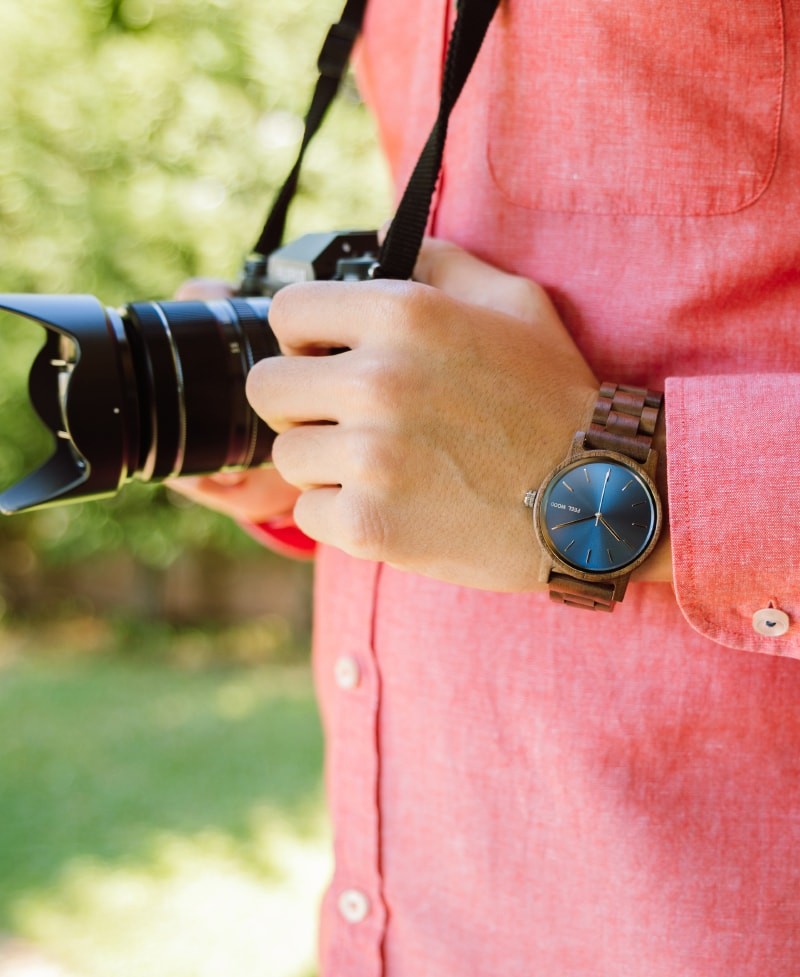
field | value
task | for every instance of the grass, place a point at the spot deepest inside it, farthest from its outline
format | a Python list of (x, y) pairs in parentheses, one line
[(157, 820)]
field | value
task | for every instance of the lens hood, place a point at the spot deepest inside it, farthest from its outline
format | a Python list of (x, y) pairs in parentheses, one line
[(82, 386)]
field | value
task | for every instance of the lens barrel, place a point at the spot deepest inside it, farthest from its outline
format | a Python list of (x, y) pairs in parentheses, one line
[(192, 361)]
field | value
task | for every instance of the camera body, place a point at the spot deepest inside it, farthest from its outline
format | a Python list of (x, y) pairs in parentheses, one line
[(154, 390)]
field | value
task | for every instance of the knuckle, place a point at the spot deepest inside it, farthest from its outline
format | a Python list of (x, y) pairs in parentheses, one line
[(422, 309), (410, 306), (528, 299), (380, 383), (372, 459), (365, 527)]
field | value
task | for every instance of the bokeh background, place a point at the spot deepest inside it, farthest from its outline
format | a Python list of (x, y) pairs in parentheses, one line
[(160, 754)]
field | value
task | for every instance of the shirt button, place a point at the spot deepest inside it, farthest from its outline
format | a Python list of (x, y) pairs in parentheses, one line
[(771, 622), (353, 905), (347, 673)]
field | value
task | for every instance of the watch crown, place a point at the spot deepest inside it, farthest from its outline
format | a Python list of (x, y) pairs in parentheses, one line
[(530, 499)]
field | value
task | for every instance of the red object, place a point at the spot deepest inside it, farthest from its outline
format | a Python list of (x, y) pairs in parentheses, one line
[(282, 536)]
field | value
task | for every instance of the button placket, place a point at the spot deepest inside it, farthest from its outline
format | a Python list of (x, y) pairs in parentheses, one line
[(355, 896)]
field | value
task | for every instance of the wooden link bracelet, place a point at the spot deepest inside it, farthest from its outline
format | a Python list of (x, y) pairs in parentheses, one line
[(624, 420)]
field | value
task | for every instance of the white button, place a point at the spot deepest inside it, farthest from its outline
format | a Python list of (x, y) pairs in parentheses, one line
[(347, 672), (771, 622), (353, 905)]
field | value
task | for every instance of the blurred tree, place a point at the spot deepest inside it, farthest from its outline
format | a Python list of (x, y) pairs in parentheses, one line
[(140, 143)]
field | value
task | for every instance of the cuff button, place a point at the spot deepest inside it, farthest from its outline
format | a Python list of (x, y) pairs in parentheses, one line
[(770, 622)]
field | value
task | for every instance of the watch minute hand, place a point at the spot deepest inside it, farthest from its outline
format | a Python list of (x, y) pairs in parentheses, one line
[(619, 539), (602, 496)]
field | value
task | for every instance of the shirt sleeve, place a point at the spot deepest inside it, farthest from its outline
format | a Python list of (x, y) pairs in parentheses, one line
[(283, 537), (733, 446)]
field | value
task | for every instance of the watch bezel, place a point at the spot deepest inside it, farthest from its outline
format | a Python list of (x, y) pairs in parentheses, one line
[(575, 459)]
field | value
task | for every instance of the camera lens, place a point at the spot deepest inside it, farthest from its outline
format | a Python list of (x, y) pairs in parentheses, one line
[(157, 389), (149, 391), (191, 360)]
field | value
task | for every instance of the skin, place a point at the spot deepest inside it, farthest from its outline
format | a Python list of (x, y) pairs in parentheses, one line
[(457, 392)]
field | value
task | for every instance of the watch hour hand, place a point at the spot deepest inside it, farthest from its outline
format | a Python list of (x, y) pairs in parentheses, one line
[(571, 522)]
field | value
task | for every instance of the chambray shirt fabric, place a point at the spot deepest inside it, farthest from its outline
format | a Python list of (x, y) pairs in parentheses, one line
[(523, 789)]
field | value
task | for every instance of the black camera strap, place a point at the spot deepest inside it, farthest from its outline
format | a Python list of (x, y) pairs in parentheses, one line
[(404, 238), (331, 64)]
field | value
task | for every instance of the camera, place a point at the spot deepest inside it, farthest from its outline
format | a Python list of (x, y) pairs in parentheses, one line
[(154, 390)]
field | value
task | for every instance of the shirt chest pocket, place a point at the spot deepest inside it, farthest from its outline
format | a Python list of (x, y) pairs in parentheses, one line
[(645, 107)]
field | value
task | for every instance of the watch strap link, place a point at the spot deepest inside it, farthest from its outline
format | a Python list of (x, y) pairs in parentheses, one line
[(584, 593), (624, 420)]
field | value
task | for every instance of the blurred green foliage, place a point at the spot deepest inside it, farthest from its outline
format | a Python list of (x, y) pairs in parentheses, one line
[(141, 142)]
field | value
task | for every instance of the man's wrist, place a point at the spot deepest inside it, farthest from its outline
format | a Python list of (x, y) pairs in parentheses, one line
[(657, 568)]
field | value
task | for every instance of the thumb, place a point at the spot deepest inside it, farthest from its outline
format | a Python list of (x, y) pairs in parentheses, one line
[(462, 276), (204, 289)]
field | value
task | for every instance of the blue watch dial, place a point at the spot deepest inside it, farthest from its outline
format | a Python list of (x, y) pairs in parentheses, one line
[(598, 515)]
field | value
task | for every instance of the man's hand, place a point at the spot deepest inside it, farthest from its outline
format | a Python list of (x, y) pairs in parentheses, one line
[(455, 394)]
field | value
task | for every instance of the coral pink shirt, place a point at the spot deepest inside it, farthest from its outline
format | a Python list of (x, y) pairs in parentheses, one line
[(526, 790)]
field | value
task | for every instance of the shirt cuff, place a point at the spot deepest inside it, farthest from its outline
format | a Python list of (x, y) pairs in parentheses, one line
[(283, 537), (734, 507)]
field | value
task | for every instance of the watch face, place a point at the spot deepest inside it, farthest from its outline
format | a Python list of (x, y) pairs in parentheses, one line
[(598, 515)]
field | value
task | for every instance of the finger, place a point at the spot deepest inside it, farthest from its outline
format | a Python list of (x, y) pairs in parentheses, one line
[(351, 520), (461, 275), (316, 513), (313, 456), (285, 391), (320, 316), (310, 456), (260, 495), (445, 266), (204, 289), (228, 479)]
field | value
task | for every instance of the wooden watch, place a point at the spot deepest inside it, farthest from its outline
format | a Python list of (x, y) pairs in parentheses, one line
[(598, 515)]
